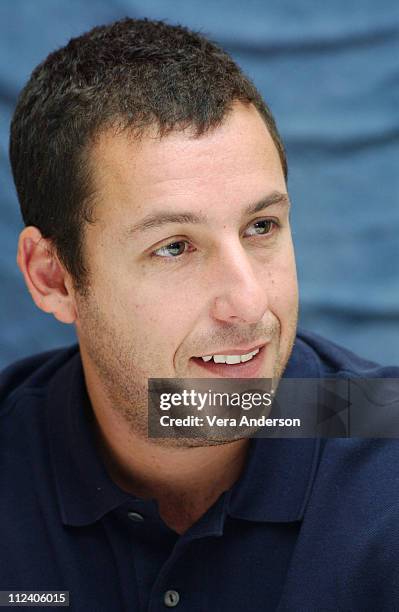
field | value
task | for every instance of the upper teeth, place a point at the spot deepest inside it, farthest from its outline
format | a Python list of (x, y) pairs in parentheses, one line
[(231, 358)]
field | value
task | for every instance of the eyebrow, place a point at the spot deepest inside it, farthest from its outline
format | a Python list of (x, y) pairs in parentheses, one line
[(160, 219)]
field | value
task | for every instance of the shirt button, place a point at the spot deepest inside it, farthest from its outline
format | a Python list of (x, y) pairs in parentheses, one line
[(136, 517), (171, 599)]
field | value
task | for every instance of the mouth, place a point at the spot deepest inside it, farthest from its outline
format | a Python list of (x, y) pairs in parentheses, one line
[(233, 363)]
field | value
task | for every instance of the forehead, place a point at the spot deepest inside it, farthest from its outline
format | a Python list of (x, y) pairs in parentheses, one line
[(235, 162)]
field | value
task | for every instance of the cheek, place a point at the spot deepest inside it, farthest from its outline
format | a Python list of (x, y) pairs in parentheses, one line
[(283, 288), (158, 315)]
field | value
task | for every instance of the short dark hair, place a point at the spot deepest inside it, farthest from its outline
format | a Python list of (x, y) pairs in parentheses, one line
[(130, 74)]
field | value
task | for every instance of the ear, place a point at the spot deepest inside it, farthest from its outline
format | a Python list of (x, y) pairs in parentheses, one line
[(48, 282)]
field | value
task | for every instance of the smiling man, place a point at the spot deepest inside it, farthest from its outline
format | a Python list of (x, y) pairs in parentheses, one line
[(152, 183)]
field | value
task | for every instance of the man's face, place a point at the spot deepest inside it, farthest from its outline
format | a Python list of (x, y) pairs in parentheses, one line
[(164, 292)]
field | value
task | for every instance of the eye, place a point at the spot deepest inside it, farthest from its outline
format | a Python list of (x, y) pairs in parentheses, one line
[(174, 249), (178, 248), (262, 227)]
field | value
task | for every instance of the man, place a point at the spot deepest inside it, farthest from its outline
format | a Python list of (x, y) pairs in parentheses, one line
[(152, 182)]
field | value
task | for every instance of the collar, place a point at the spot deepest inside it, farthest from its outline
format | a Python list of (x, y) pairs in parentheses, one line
[(85, 491), (279, 474)]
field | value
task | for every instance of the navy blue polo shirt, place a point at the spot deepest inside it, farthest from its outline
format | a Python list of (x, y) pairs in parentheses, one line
[(310, 525)]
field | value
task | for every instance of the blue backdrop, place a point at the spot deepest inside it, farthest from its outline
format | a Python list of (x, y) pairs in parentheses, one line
[(330, 73)]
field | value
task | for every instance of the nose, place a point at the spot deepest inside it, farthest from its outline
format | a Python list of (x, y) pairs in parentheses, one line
[(241, 294)]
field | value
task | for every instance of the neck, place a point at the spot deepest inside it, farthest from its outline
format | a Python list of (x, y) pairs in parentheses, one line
[(185, 480)]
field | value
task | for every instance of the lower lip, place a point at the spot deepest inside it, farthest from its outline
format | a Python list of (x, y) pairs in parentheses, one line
[(248, 369)]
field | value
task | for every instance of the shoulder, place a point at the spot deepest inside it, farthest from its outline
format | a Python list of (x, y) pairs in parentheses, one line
[(336, 360), (353, 507), (353, 512), (31, 376)]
